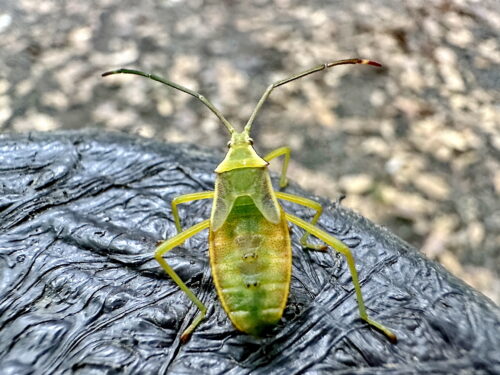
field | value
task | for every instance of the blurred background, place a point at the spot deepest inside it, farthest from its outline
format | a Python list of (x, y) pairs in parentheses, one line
[(415, 145)]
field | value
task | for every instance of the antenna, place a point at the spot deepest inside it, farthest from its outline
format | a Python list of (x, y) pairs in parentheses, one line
[(294, 77), (198, 96)]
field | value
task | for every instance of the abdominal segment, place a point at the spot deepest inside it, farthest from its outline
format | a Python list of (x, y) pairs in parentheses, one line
[(251, 266)]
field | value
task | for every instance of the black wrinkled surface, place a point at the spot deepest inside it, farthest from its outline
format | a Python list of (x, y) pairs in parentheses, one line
[(80, 214)]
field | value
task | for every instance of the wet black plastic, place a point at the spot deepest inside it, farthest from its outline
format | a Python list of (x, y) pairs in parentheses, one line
[(80, 214)]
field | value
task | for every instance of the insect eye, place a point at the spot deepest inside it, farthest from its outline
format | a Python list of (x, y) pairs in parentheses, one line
[(229, 144), (250, 140)]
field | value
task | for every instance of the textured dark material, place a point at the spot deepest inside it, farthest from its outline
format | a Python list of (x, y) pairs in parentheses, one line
[(80, 214)]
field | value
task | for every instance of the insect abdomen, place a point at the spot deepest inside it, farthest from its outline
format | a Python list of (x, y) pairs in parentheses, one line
[(251, 266)]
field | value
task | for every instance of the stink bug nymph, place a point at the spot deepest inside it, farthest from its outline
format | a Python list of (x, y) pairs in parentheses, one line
[(249, 240)]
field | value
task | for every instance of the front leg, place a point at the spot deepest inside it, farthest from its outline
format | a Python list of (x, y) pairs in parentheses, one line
[(274, 154)]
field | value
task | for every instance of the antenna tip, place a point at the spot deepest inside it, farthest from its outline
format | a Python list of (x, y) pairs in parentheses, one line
[(370, 62)]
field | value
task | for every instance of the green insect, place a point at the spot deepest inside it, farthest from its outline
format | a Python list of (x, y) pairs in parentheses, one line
[(249, 240)]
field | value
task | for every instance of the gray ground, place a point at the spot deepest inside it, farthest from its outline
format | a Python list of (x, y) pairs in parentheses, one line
[(415, 145)]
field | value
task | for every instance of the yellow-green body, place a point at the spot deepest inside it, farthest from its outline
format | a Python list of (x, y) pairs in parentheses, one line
[(250, 250), (249, 240)]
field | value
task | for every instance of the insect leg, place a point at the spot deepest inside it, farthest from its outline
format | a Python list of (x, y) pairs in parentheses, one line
[(344, 250), (169, 245), (274, 154), (310, 204), (187, 198)]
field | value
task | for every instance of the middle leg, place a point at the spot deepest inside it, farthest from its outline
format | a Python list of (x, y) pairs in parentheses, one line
[(306, 203), (187, 198), (166, 247)]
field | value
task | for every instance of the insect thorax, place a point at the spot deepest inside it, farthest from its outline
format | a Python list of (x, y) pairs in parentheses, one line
[(251, 182)]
